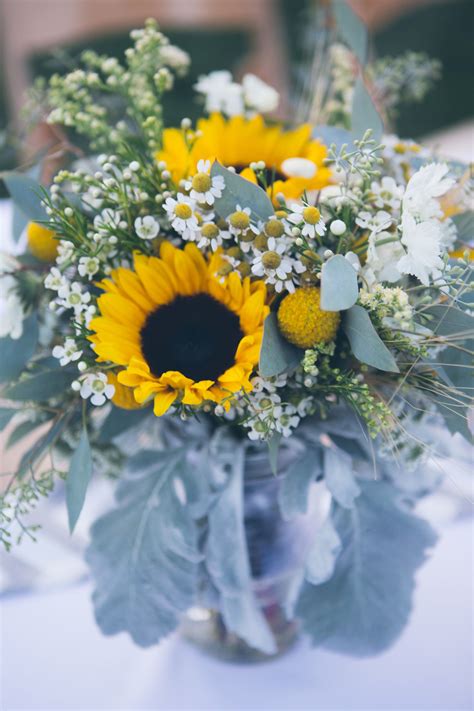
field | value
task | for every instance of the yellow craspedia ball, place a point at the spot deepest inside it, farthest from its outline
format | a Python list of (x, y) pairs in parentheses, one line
[(302, 321), (42, 242)]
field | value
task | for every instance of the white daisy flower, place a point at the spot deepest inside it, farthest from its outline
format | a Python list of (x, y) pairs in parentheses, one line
[(240, 223), (147, 227), (181, 215), (88, 266), (67, 352), (276, 266), (203, 187), (313, 224), (96, 387)]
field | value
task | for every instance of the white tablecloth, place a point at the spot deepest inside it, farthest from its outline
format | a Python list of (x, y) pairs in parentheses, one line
[(54, 658)]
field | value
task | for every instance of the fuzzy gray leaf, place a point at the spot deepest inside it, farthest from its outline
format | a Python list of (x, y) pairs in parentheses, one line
[(339, 477), (323, 554), (228, 563), (365, 605), (144, 555), (294, 489)]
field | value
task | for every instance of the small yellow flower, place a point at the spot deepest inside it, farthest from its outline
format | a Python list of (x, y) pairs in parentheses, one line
[(303, 322), (42, 242)]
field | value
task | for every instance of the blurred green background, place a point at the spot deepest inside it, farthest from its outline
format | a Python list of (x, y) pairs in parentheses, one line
[(442, 30)]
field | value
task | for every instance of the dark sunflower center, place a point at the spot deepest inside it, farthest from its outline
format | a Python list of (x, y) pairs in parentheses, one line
[(271, 174), (196, 335)]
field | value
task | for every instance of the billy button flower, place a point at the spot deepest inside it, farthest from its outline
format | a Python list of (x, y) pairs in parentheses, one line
[(42, 242), (302, 321)]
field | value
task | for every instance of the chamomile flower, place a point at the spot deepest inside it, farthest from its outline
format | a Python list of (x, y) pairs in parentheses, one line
[(240, 223), (147, 227), (88, 266), (182, 216), (96, 387), (204, 188), (68, 352), (211, 236), (310, 217)]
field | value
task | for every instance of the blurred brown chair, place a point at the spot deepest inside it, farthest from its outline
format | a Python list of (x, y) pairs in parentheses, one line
[(32, 26)]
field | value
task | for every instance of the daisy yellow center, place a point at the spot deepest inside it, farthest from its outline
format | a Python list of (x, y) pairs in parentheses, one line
[(303, 322), (261, 241), (239, 220), (274, 228), (271, 260), (311, 215), (201, 182), (196, 335), (183, 211), (210, 230)]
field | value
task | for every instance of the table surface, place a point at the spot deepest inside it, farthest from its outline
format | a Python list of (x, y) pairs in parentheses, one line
[(54, 658)]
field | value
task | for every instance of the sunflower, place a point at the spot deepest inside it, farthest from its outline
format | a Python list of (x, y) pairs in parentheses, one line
[(294, 162), (179, 332)]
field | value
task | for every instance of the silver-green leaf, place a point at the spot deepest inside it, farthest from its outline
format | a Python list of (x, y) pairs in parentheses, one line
[(351, 29), (78, 478), (339, 288), (15, 353), (239, 191), (26, 194), (365, 342)]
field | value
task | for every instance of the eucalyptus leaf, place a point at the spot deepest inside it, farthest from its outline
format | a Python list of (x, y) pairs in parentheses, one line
[(366, 344), (339, 288), (26, 194), (22, 430), (19, 223), (42, 386), (364, 113), (351, 29), (39, 449), (144, 555), (228, 563), (339, 477), (294, 489), (239, 191), (277, 355), (78, 478), (364, 606), (450, 321), (15, 353)]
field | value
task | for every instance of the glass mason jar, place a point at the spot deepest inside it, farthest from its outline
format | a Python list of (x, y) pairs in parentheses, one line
[(277, 549)]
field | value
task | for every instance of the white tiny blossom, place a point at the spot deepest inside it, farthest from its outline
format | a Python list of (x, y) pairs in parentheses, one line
[(96, 387), (221, 93), (67, 352), (387, 193), (55, 280), (374, 223), (65, 252), (88, 266), (147, 227), (72, 297), (107, 220)]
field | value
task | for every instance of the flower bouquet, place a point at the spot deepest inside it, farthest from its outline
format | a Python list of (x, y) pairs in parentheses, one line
[(253, 327)]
